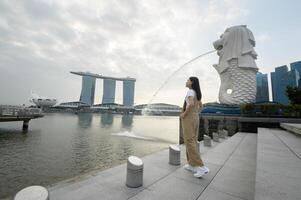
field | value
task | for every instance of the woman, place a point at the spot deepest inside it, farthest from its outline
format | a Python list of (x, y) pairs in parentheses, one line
[(190, 122)]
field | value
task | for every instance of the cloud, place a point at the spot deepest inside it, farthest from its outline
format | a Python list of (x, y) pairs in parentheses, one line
[(147, 40)]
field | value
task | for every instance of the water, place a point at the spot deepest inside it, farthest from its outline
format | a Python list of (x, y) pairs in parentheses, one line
[(61, 146)]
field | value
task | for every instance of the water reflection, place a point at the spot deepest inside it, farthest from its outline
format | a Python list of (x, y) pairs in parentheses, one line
[(127, 121), (106, 119), (17, 135), (61, 146), (85, 120)]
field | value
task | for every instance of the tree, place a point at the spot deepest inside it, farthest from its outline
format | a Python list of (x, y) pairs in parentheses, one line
[(293, 94)]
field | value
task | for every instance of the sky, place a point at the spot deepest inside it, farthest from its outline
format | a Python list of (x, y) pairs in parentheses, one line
[(41, 41)]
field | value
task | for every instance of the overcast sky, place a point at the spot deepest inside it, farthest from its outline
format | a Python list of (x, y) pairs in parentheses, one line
[(41, 41)]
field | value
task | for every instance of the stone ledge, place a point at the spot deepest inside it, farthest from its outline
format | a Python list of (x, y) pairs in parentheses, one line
[(294, 128)]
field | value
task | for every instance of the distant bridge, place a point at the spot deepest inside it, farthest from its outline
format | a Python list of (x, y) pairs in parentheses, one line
[(10, 113)]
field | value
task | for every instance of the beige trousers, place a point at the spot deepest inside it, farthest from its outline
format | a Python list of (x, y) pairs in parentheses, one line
[(190, 131)]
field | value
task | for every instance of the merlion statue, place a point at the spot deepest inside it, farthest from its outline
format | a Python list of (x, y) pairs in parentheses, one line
[(236, 67)]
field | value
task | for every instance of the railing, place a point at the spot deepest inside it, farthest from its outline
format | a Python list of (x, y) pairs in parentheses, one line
[(19, 111)]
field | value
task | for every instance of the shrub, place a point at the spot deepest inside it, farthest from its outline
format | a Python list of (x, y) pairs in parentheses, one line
[(271, 110), (293, 94)]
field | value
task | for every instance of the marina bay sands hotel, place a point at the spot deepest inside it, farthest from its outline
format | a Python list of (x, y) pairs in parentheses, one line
[(109, 86)]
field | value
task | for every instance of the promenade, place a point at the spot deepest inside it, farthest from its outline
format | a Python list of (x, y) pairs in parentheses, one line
[(246, 166)]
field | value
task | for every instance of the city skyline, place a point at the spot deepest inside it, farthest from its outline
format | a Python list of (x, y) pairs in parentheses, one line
[(87, 94), (41, 41), (283, 77), (262, 87)]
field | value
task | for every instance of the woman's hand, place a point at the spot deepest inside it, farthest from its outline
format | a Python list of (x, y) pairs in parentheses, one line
[(182, 115), (200, 106)]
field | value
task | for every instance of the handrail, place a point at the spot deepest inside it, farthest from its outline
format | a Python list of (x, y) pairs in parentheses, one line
[(18, 111)]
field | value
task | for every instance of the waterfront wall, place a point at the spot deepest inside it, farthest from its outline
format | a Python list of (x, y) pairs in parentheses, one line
[(213, 123)]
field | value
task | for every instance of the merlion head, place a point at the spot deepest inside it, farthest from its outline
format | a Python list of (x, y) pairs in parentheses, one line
[(237, 42), (236, 67)]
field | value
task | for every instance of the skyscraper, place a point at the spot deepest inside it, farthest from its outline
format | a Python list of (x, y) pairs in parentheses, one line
[(88, 90), (281, 78), (262, 87), (297, 66), (109, 86), (128, 92)]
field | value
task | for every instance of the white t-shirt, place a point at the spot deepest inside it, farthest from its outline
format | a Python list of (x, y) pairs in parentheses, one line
[(190, 93)]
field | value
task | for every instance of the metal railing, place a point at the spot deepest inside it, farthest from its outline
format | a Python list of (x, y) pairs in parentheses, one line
[(19, 111)]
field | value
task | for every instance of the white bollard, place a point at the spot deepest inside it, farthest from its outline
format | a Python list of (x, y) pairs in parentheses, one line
[(32, 192), (225, 133), (221, 134), (134, 176), (215, 137), (207, 141), (174, 155)]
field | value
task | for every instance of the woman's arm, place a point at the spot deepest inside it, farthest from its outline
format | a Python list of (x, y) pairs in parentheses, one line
[(188, 108), (200, 106)]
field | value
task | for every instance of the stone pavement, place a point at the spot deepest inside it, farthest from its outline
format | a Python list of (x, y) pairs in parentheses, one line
[(246, 166), (278, 174), (232, 163)]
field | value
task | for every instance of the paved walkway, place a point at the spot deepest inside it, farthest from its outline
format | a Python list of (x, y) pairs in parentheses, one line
[(278, 174), (232, 164), (246, 166)]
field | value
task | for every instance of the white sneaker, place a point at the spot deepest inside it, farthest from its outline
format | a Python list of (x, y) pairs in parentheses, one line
[(190, 168), (201, 171)]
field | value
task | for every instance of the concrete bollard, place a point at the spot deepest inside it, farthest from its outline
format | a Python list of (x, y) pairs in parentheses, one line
[(215, 137), (134, 176), (225, 133), (206, 126), (174, 155), (207, 141), (221, 134), (232, 126), (33, 192)]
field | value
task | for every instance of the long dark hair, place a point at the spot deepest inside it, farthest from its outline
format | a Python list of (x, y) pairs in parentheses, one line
[(196, 87)]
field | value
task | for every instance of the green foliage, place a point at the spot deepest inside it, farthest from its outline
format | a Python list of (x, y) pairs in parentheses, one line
[(248, 107), (270, 110), (293, 110), (293, 94)]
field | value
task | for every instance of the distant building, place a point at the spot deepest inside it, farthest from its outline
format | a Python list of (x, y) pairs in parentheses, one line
[(109, 106), (262, 87), (108, 96), (158, 109), (280, 79), (109, 87), (72, 104), (88, 90), (42, 101), (220, 109), (297, 66), (128, 92)]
